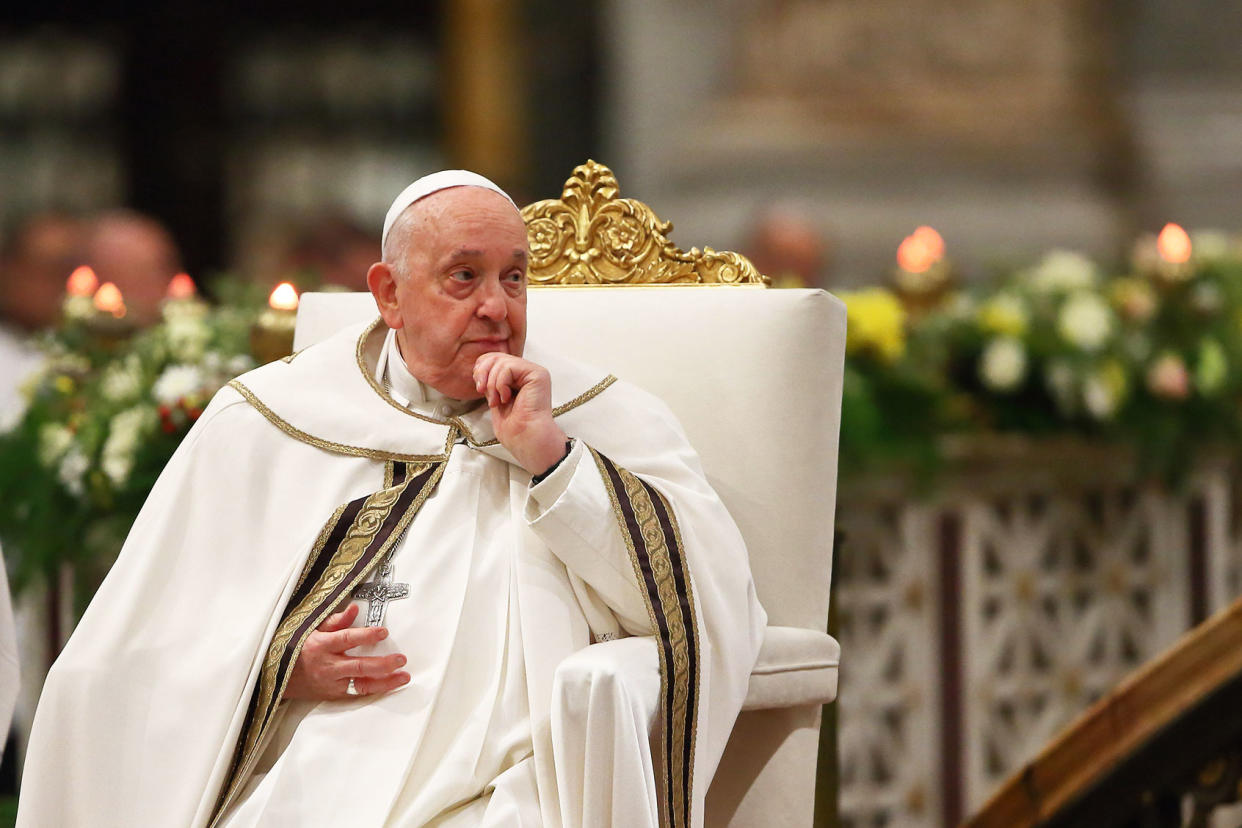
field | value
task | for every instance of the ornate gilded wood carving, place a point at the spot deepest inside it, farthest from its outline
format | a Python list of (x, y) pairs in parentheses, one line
[(589, 236)]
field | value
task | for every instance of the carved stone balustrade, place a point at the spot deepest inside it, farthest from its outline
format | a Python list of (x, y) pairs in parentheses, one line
[(982, 612)]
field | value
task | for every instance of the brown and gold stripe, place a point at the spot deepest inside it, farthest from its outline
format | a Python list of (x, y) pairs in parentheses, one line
[(651, 533)]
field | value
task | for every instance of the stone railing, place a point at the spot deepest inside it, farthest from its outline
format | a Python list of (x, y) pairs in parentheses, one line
[(979, 615)]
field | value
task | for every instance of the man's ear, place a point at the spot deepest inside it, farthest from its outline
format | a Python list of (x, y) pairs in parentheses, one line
[(383, 285)]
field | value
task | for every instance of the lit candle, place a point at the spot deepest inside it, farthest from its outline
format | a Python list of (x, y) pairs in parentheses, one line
[(923, 275), (108, 299), (1166, 256), (181, 299), (181, 287), (82, 282), (108, 322), (79, 289), (271, 337)]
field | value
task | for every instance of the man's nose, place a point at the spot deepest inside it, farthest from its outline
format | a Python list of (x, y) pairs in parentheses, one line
[(492, 301)]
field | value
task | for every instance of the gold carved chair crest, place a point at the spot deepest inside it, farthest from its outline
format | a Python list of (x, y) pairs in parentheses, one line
[(591, 236)]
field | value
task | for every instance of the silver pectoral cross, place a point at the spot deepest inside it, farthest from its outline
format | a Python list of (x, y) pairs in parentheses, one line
[(379, 592)]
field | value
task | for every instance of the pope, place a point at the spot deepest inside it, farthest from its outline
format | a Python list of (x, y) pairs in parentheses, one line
[(422, 573)]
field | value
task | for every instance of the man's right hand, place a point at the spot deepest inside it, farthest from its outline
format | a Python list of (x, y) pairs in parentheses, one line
[(323, 671)]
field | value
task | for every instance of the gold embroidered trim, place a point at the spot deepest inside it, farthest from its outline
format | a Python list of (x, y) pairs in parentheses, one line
[(586, 396), (326, 532), (327, 445), (379, 389), (694, 619), (681, 719), (290, 358)]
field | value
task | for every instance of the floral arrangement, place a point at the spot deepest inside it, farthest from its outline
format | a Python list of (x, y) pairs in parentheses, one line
[(104, 414), (1148, 355)]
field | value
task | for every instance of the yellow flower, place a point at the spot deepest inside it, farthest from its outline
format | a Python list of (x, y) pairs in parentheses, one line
[(64, 384), (1004, 315), (875, 324)]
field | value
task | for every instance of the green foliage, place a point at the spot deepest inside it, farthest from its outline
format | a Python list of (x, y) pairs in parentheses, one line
[(104, 415)]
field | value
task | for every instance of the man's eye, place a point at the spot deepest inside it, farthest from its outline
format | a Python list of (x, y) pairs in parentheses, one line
[(462, 275), (516, 277)]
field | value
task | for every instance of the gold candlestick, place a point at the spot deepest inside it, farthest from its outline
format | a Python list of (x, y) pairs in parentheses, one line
[(271, 336), (923, 276)]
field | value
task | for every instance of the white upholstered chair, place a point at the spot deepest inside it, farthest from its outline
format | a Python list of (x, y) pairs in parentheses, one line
[(755, 376)]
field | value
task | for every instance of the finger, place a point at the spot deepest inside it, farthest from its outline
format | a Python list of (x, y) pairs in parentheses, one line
[(482, 369), (369, 666), (342, 640), (373, 686), (506, 383), (493, 385), (340, 620)]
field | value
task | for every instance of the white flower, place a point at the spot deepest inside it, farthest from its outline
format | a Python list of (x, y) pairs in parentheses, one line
[(117, 467), (125, 433), (1063, 271), (66, 362), (1003, 364), (187, 337), (212, 362), (73, 467), (1085, 321), (121, 381), (54, 441), (1209, 244), (240, 364), (1063, 386), (78, 307), (177, 382)]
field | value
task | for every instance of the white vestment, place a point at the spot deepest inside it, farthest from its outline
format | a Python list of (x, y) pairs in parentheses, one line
[(157, 704)]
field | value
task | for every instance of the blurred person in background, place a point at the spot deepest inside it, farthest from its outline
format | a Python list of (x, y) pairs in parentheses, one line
[(786, 246), (333, 250), (36, 257), (138, 254)]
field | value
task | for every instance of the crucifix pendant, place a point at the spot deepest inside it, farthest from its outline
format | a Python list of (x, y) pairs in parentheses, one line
[(379, 592)]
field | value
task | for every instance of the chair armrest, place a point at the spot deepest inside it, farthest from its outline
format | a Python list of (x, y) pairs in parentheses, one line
[(796, 667)]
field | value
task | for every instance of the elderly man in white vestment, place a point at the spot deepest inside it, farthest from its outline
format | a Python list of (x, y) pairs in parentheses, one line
[(423, 573)]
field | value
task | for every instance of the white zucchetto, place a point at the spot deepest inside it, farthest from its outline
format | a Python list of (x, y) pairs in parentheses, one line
[(433, 183)]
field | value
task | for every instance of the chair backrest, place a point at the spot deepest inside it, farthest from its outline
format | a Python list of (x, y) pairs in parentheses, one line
[(753, 374)]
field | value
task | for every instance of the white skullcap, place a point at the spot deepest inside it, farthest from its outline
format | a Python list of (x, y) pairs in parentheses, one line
[(433, 183)]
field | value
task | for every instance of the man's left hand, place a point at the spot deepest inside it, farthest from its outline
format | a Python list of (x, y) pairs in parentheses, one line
[(519, 393)]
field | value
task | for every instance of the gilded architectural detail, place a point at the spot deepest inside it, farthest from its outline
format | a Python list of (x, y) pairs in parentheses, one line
[(590, 236)]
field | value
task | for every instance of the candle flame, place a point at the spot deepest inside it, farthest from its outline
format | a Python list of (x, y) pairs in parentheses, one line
[(108, 299), (1173, 244), (920, 250), (181, 287), (284, 297), (82, 281)]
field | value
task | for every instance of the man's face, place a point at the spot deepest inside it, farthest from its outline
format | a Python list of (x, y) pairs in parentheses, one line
[(463, 292)]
